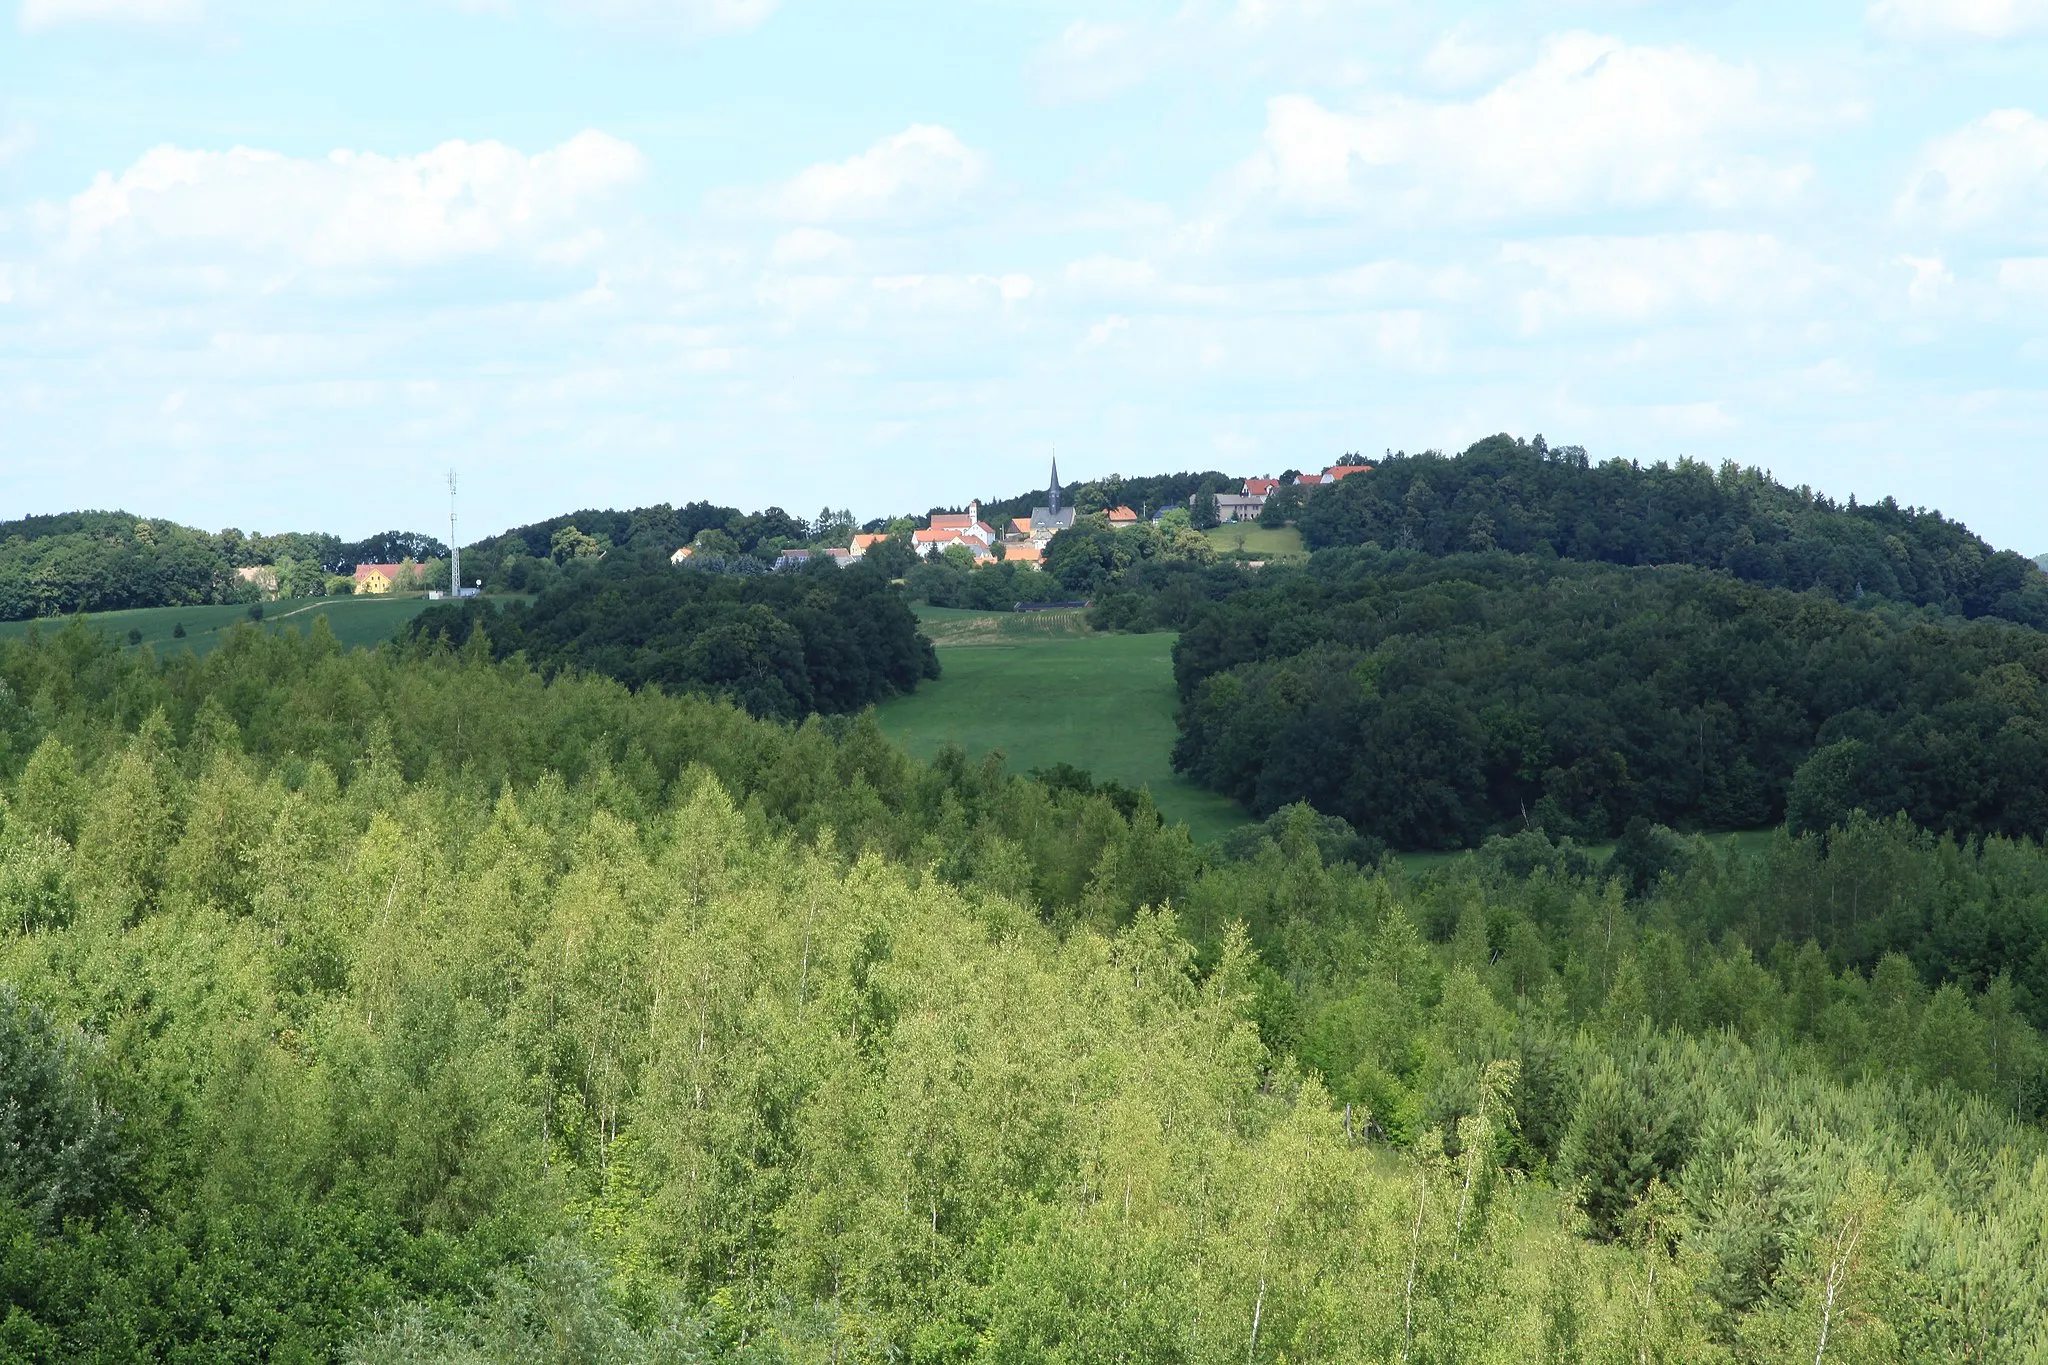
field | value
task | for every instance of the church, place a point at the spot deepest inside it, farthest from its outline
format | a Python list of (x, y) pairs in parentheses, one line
[(1052, 518)]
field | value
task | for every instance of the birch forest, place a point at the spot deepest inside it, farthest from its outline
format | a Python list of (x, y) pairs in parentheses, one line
[(406, 1006)]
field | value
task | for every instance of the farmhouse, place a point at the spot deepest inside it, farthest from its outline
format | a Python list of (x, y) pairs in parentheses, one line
[(262, 576), (682, 555), (376, 578), (947, 529)]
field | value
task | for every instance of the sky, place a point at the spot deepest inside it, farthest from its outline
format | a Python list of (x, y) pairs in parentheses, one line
[(281, 265)]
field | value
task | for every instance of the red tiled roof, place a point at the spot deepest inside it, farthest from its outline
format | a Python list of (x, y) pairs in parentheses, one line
[(958, 521), (1260, 488), (863, 541), (365, 570), (1122, 514), (1343, 471)]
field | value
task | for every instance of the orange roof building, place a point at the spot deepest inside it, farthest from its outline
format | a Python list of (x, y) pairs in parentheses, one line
[(376, 578), (1122, 516)]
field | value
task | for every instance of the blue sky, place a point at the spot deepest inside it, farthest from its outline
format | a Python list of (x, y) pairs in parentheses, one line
[(279, 265)]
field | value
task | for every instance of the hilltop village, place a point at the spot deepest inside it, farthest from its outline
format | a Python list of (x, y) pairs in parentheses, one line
[(1022, 540)]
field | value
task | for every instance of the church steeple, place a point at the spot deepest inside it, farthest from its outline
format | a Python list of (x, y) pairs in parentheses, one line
[(1052, 493)]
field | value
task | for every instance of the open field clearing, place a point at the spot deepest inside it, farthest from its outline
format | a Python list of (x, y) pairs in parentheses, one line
[(1284, 543), (355, 621), (1042, 689)]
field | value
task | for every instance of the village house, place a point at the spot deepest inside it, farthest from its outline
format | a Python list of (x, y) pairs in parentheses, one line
[(682, 555), (1246, 505), (262, 576), (864, 542), (376, 578), (1122, 518), (965, 529), (1336, 473)]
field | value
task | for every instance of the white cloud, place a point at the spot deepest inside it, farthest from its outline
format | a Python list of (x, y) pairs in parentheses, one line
[(1463, 58), (1105, 275), (2024, 275), (1958, 18), (1640, 280), (1592, 123), (351, 209), (1229, 42), (687, 18), (1991, 175), (1931, 279), (809, 246), (1104, 331), (921, 168), (37, 15)]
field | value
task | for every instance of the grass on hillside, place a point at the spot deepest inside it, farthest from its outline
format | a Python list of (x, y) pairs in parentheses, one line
[(364, 621), (1284, 543), (1043, 689), (955, 626)]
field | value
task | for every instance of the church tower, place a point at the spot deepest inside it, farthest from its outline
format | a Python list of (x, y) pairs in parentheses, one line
[(1052, 492)]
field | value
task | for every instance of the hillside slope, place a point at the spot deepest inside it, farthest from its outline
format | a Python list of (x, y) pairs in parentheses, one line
[(413, 1009), (1433, 701), (1526, 498)]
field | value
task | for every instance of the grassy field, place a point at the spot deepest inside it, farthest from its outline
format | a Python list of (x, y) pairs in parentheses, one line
[(354, 620), (1283, 543), (1043, 689)]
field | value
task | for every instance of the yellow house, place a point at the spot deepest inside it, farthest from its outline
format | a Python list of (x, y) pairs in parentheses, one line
[(376, 578)]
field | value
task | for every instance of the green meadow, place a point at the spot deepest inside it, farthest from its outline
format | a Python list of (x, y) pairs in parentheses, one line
[(363, 621), (1041, 688), (1282, 543)]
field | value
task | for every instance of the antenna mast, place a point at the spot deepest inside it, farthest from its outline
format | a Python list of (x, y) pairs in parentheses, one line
[(454, 545)]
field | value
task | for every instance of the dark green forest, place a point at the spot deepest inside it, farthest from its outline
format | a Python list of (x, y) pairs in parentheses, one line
[(1527, 498), (783, 645), (532, 558), (410, 1006), (1433, 701), (110, 561)]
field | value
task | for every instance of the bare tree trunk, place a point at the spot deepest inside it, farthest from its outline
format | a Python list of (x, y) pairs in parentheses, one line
[(1414, 1256), (1838, 1274)]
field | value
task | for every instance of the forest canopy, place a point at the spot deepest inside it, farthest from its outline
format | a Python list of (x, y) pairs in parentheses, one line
[(403, 1007), (112, 561), (820, 639), (1433, 701), (1529, 498)]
